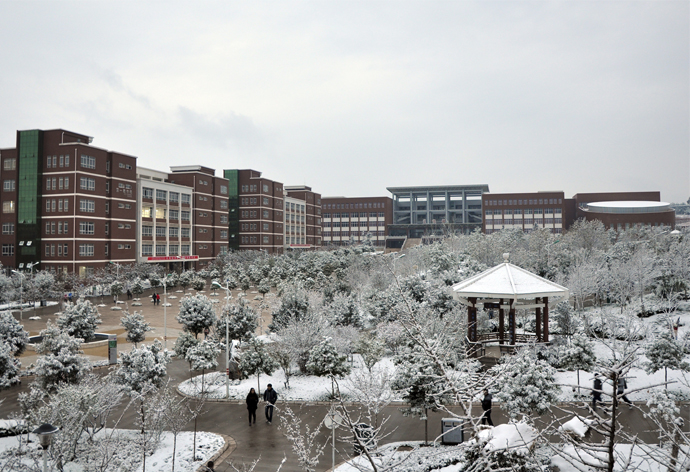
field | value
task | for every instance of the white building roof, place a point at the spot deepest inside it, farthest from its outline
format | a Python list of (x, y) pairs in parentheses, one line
[(508, 281)]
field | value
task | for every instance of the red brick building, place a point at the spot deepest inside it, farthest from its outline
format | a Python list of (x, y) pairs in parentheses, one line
[(68, 206), (354, 219)]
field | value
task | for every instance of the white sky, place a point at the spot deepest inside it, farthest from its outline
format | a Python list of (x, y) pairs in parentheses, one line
[(352, 97)]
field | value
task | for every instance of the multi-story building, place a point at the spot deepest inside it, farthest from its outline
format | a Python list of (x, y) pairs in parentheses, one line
[(209, 213), (524, 211), (430, 212), (256, 212), (302, 218), (67, 206), (356, 219)]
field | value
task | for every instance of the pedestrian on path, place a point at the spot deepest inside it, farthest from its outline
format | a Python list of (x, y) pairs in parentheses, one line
[(622, 385), (153, 297), (596, 391), (206, 332), (158, 299), (270, 397), (252, 405), (129, 294), (486, 406)]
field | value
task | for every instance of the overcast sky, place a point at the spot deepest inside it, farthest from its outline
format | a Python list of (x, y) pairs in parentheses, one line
[(353, 97)]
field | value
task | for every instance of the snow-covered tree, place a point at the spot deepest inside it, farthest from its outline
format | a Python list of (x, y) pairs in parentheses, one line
[(203, 356), (198, 283), (12, 334), (306, 445), (185, 278), (345, 311), (61, 361), (116, 289), (255, 359), (143, 367), (264, 287), (324, 360), (9, 367), (372, 349), (196, 313), (137, 287), (527, 385), (136, 327), (293, 305), (241, 319), (667, 353), (579, 356), (80, 320)]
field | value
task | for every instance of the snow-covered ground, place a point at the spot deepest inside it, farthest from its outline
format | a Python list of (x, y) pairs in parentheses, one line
[(208, 444)]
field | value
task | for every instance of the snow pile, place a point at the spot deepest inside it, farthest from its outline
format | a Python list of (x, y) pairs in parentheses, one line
[(644, 458), (576, 427), (512, 436)]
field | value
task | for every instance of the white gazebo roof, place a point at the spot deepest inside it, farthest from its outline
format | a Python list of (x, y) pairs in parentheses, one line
[(508, 281)]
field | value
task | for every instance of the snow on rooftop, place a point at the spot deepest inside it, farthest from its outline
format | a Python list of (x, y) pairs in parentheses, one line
[(631, 206)]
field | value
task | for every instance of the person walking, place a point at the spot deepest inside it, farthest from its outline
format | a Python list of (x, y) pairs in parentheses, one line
[(153, 297), (252, 405), (270, 397), (129, 294), (158, 299), (596, 391), (206, 332), (622, 385), (486, 406)]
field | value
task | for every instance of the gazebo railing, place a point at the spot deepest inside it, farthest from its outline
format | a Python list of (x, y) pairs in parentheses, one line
[(474, 349), (495, 337)]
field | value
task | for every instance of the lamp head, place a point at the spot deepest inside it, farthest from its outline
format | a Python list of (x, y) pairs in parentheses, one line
[(45, 434)]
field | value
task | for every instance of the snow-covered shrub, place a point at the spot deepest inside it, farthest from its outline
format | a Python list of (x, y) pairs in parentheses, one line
[(137, 287), (664, 352), (12, 334), (64, 366), (143, 367), (136, 327), (293, 305), (345, 311), (80, 320), (301, 335), (183, 343), (198, 283), (371, 349), (325, 360), (196, 313), (526, 384), (203, 355), (116, 288), (256, 358)]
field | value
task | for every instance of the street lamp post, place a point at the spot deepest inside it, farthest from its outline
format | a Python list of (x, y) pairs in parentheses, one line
[(21, 293), (165, 312), (45, 436), (216, 285)]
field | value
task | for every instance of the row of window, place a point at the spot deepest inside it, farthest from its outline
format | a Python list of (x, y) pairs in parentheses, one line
[(254, 213), (353, 206), (336, 234), (163, 196), (255, 239), (353, 224), (172, 250), (527, 211), (254, 188), (50, 250), (51, 162), (529, 201), (527, 221), (183, 215), (147, 230), (355, 215), (62, 227), (294, 207), (552, 230)]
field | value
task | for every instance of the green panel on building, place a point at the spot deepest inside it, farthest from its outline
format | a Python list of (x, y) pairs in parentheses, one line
[(30, 173)]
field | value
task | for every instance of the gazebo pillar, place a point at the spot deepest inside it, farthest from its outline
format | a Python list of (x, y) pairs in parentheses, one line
[(546, 319), (537, 314), (511, 323), (501, 322), (472, 319)]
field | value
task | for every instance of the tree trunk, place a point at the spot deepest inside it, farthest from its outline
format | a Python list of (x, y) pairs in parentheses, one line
[(426, 427), (173, 453), (578, 381), (612, 431)]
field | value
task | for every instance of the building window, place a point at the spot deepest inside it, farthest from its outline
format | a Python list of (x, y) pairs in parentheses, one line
[(87, 206), (160, 213), (86, 183), (160, 231), (161, 195), (8, 207), (186, 198), (8, 228), (223, 234), (173, 250), (265, 188), (147, 193), (174, 197), (86, 250), (86, 227), (88, 162), (184, 250), (160, 250), (224, 189), (185, 232), (265, 201), (10, 164), (174, 215), (223, 219), (173, 232), (265, 213), (146, 250), (8, 185), (146, 212), (184, 215), (146, 230), (265, 239), (8, 249)]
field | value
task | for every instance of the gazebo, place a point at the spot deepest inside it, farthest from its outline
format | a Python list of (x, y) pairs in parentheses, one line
[(507, 287)]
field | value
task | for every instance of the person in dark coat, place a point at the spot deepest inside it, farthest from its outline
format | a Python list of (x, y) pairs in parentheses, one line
[(622, 385), (252, 405), (270, 397), (153, 297), (486, 406), (596, 391), (129, 294)]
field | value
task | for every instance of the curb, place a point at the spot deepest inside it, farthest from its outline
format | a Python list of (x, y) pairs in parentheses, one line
[(222, 454)]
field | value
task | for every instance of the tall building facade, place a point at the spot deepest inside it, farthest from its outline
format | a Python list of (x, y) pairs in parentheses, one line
[(68, 206), (256, 211), (355, 219), (308, 219), (524, 211)]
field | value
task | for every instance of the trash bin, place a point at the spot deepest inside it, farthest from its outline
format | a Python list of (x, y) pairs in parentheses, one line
[(365, 434), (452, 431)]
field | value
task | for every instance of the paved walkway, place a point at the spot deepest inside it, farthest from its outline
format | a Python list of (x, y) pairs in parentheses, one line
[(262, 440)]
